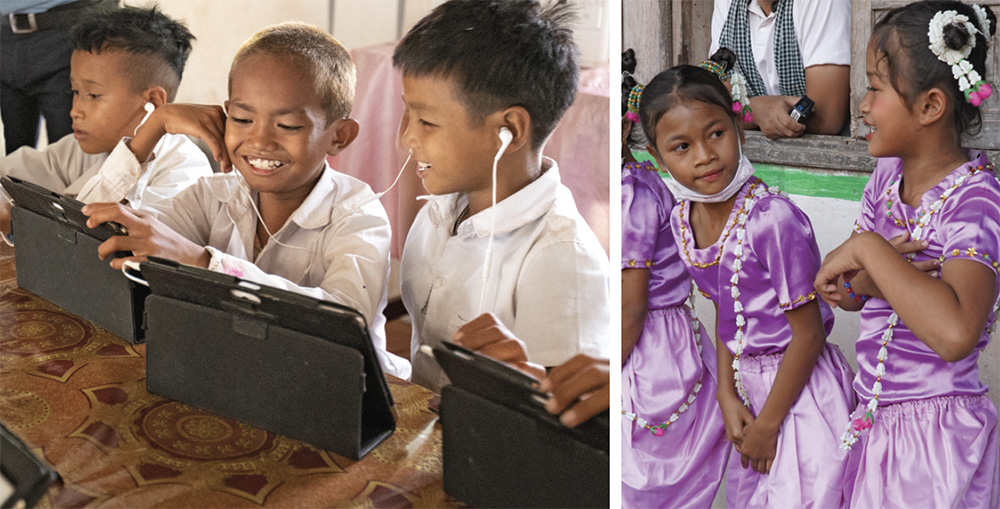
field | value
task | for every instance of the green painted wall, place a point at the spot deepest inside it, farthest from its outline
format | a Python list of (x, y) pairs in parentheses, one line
[(801, 182)]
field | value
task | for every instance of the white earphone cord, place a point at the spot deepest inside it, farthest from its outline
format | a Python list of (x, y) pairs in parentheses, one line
[(505, 138)]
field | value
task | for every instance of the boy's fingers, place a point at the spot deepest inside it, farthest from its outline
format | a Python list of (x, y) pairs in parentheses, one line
[(112, 212), (118, 262), (565, 370), (476, 340), (587, 408), (582, 382), (113, 245), (482, 321), (505, 350)]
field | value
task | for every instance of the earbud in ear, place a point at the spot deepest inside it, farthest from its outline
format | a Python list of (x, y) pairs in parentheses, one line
[(149, 107), (505, 137)]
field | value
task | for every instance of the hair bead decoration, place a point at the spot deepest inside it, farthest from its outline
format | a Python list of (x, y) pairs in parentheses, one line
[(633, 103), (737, 88), (970, 83)]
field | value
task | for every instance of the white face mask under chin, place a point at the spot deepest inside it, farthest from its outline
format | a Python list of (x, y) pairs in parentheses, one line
[(743, 173)]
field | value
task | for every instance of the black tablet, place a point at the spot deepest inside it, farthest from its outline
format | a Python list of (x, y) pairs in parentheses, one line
[(25, 478), (57, 207), (498, 382)]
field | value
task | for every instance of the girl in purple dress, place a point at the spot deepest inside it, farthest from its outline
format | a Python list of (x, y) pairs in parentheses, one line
[(923, 434), (674, 447), (782, 389)]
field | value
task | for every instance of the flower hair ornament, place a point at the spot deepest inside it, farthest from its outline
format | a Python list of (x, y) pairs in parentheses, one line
[(633, 103), (970, 83), (738, 88)]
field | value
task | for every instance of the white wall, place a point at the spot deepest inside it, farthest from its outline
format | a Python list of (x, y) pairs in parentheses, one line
[(221, 26)]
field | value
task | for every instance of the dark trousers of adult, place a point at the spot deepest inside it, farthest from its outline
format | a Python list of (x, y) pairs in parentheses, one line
[(34, 80)]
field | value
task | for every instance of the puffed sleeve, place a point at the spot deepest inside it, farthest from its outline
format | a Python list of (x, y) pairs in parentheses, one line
[(970, 223), (781, 237), (643, 215), (869, 198)]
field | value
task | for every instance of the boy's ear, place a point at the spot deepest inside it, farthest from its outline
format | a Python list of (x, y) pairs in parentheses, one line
[(156, 95), (517, 119), (346, 131), (930, 106)]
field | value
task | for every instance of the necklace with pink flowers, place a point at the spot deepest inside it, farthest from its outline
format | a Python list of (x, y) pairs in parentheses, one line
[(863, 419)]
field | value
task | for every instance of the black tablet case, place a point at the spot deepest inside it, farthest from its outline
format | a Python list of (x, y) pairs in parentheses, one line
[(30, 476), (57, 261), (502, 450), (294, 365)]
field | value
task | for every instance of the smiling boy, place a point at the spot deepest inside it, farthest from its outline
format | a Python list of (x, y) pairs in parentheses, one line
[(471, 68), (284, 218)]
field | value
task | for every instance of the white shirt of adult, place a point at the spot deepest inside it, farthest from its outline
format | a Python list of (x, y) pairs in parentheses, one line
[(822, 28), (63, 167), (548, 281)]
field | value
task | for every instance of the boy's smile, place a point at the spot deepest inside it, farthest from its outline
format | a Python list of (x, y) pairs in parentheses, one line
[(105, 107), (454, 152), (277, 132)]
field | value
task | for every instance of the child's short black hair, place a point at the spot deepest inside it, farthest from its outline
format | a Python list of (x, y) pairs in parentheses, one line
[(156, 45), (900, 40), (501, 53), (684, 84)]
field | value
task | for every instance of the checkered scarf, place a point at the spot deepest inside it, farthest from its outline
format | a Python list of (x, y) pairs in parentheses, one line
[(736, 36)]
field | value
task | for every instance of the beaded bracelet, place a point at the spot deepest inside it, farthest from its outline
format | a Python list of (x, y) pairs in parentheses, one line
[(853, 295)]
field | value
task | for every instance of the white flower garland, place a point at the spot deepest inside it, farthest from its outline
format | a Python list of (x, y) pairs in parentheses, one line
[(970, 83), (984, 21), (865, 421), (659, 429)]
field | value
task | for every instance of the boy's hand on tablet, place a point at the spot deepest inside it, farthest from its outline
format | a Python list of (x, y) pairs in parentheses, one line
[(147, 236), (202, 121), (487, 336), (580, 389)]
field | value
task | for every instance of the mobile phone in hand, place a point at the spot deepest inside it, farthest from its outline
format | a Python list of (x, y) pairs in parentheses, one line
[(802, 109)]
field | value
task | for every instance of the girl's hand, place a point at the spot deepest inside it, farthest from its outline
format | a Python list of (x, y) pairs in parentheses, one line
[(735, 417), (862, 282), (486, 335), (580, 387), (147, 236), (842, 261), (760, 443)]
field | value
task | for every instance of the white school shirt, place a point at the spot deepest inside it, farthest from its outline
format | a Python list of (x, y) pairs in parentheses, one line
[(340, 238), (822, 28), (548, 280), (65, 168)]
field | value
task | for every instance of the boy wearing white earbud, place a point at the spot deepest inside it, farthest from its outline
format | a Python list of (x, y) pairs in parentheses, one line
[(121, 69), (499, 245), (284, 218)]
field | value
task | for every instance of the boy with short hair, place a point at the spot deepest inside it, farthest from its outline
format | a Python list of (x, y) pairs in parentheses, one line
[(284, 218), (471, 68), (123, 59)]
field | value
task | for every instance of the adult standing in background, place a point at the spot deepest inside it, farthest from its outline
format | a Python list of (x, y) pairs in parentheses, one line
[(34, 66), (787, 49)]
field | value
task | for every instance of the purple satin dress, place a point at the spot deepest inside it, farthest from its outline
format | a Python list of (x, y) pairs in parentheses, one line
[(684, 467), (779, 262), (934, 440)]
